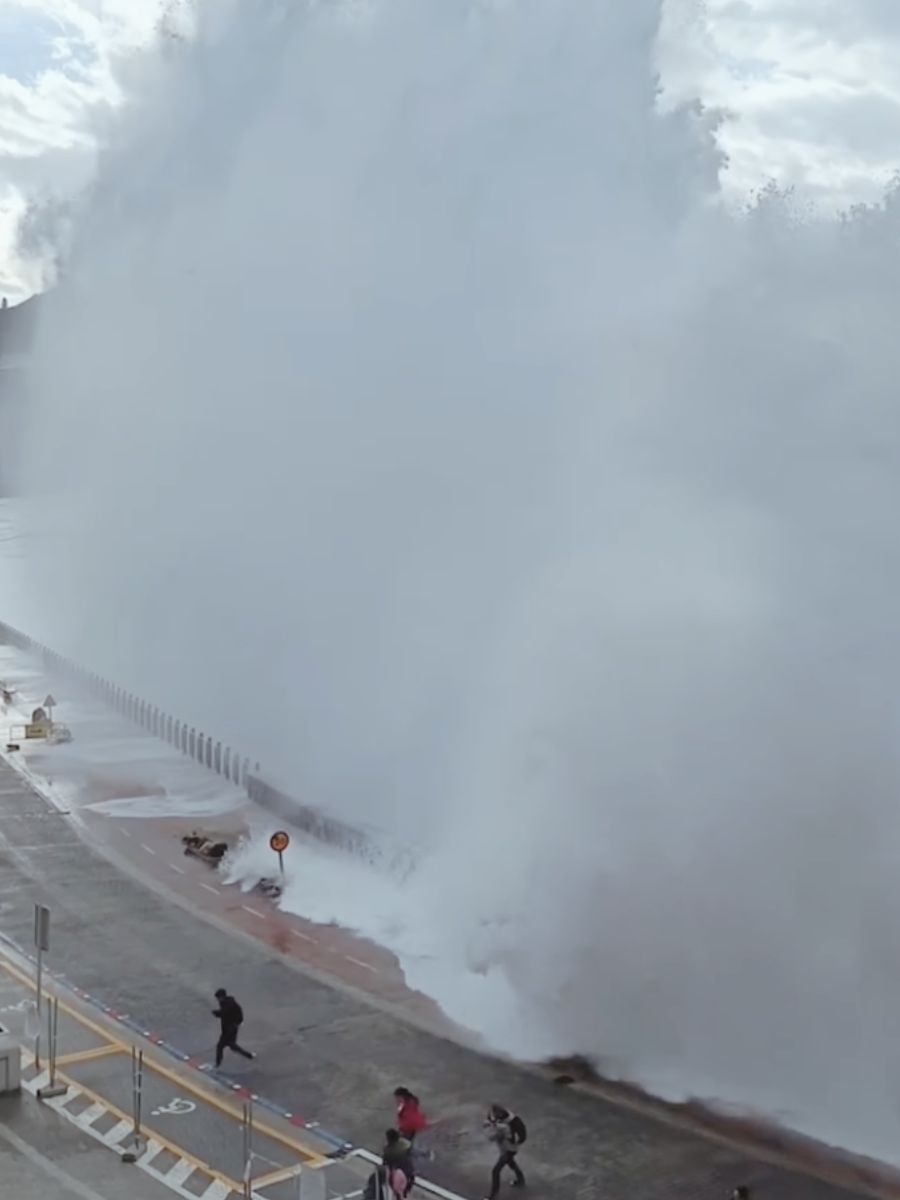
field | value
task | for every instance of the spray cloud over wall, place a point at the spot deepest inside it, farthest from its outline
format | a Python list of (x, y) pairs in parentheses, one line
[(423, 423)]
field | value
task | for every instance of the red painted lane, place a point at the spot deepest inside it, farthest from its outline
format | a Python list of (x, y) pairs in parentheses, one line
[(330, 949)]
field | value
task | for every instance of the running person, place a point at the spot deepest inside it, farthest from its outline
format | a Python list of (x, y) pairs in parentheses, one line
[(508, 1133), (411, 1120), (231, 1016)]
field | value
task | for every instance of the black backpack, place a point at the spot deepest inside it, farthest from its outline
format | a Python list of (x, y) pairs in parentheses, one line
[(237, 1013), (518, 1130)]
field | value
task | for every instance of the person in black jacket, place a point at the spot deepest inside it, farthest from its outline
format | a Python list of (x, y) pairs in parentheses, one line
[(231, 1016)]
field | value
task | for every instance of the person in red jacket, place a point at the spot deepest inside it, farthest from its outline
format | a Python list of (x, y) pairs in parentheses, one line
[(410, 1119)]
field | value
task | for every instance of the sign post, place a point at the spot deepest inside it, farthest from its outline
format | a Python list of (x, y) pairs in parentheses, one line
[(279, 842), (42, 943), (50, 704)]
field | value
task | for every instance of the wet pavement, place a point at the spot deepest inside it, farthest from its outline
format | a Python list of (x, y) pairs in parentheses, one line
[(195, 1134), (153, 933), (119, 764)]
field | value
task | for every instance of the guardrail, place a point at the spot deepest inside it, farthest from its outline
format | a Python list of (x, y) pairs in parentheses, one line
[(367, 844), (178, 733), (224, 760)]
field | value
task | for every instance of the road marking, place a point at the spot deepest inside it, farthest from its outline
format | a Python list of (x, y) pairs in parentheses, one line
[(124, 832), (180, 870), (151, 1149), (144, 846), (179, 1172), (20, 1006), (179, 1107), (217, 1190), (304, 936), (359, 962), (44, 846), (280, 1176), (69, 1182), (66, 1008), (91, 1113), (80, 1056), (113, 1136), (254, 911), (155, 1141), (210, 888), (313, 1157)]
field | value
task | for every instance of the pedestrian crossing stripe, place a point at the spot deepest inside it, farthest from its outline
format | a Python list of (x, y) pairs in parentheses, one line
[(185, 1168)]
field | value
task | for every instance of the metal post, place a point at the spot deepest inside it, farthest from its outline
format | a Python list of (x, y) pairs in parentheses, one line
[(248, 1150), (137, 1095), (37, 1036), (53, 1088), (52, 1031), (42, 943)]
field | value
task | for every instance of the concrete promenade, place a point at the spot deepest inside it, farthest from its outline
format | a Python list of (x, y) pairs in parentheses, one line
[(325, 1049)]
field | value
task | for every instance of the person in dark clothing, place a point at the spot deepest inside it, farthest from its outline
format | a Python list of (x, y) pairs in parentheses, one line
[(397, 1155), (502, 1127), (231, 1016), (384, 1184), (377, 1184)]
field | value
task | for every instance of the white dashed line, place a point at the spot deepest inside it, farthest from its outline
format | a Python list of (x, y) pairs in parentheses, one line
[(210, 888), (147, 848), (254, 911), (360, 963), (304, 936), (124, 832), (180, 870)]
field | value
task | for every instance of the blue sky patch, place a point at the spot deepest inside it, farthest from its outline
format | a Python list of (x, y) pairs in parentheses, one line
[(28, 47)]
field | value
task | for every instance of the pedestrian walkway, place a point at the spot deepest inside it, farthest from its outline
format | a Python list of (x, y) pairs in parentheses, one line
[(191, 1139)]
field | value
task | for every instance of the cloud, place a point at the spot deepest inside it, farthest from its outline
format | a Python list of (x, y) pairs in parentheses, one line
[(810, 90), (59, 61)]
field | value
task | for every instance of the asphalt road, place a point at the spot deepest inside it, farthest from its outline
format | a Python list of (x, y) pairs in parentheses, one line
[(328, 1052)]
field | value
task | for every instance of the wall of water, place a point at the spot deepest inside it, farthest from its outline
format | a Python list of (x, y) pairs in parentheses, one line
[(417, 417)]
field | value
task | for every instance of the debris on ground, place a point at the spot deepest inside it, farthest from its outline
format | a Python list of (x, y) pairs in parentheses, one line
[(205, 848)]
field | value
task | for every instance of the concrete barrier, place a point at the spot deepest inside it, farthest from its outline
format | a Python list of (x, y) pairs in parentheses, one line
[(10, 1062)]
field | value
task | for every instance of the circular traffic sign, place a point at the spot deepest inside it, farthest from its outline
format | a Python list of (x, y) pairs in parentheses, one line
[(279, 841)]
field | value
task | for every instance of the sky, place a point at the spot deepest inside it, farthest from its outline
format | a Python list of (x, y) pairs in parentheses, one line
[(810, 88)]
